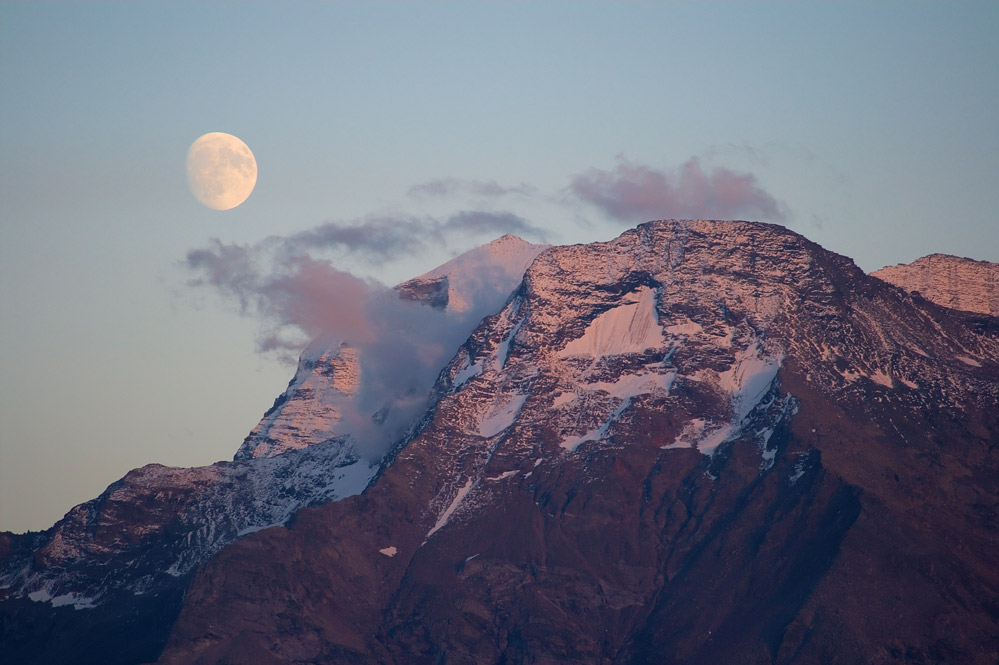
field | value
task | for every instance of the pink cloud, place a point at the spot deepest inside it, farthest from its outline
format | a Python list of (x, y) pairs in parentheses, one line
[(633, 193)]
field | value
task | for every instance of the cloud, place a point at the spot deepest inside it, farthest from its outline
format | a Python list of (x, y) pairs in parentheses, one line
[(480, 223), (377, 237), (381, 238), (295, 297), (633, 193), (452, 187)]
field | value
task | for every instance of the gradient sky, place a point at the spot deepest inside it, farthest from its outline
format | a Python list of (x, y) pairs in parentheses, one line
[(870, 127)]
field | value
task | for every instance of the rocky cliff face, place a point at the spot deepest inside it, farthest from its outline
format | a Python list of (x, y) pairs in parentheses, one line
[(702, 442), (950, 281)]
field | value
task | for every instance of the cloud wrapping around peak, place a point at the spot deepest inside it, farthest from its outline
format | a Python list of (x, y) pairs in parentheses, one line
[(633, 193), (402, 345), (296, 297)]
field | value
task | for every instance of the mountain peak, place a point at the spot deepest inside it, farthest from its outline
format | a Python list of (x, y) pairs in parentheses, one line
[(508, 238), (480, 280)]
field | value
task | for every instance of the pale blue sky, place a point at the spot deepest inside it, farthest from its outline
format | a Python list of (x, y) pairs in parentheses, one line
[(871, 124)]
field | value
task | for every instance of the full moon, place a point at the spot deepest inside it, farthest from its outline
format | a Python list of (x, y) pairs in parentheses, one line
[(221, 170)]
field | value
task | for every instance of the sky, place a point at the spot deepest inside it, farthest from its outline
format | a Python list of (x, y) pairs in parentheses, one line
[(139, 326)]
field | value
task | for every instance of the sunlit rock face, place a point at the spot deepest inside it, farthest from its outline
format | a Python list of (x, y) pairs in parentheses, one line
[(950, 281), (309, 411), (701, 442)]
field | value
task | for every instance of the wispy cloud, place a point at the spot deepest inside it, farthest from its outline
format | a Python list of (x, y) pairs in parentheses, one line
[(381, 238), (454, 187), (479, 222), (294, 296), (633, 193)]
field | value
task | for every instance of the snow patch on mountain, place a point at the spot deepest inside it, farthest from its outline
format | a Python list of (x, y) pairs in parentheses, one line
[(632, 326), (969, 361), (745, 384), (467, 371), (598, 434), (622, 390), (462, 492), (749, 378), (501, 415)]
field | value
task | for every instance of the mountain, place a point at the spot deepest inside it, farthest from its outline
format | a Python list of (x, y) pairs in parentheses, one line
[(126, 557), (700, 442), (951, 281)]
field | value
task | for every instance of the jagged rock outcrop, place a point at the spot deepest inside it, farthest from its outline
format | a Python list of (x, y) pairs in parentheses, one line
[(950, 281), (701, 442)]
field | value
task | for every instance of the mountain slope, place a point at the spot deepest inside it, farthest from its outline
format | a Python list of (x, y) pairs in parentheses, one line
[(126, 557), (701, 442)]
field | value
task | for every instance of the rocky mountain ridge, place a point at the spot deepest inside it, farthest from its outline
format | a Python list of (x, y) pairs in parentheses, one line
[(695, 443), (951, 281)]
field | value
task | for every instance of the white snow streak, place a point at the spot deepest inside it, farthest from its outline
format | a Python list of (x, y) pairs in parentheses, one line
[(446, 515), (746, 381), (627, 387)]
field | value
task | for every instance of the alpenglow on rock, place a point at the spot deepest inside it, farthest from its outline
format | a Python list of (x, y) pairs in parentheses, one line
[(950, 281), (701, 442)]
